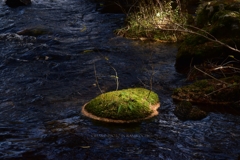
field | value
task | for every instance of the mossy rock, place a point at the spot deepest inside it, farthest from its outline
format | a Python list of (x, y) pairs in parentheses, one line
[(185, 111), (225, 92), (196, 114), (222, 20), (123, 106), (211, 10)]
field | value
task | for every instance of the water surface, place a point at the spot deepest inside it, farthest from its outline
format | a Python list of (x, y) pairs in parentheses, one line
[(46, 79)]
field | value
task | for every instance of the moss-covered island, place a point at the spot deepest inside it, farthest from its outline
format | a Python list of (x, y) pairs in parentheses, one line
[(123, 106)]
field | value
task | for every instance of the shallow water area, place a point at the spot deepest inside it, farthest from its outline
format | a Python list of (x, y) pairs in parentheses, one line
[(46, 79)]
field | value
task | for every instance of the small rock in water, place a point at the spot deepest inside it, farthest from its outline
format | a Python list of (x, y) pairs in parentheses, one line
[(185, 111), (17, 3), (33, 32)]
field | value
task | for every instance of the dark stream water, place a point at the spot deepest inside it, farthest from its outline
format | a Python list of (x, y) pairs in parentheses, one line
[(46, 79)]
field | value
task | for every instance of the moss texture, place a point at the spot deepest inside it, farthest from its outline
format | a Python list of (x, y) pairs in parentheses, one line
[(210, 91), (127, 104)]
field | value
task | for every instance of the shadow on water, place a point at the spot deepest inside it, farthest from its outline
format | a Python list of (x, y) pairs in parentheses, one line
[(128, 128), (46, 78)]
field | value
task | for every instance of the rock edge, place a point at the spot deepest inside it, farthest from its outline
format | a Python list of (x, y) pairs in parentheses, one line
[(90, 115)]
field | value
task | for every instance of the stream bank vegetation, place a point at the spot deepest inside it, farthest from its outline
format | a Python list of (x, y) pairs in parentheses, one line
[(208, 51), (154, 20), (211, 55)]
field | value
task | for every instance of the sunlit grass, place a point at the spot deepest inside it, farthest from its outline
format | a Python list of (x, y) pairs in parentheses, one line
[(154, 20)]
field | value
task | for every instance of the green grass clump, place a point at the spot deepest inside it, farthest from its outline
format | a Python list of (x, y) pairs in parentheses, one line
[(126, 104), (155, 20)]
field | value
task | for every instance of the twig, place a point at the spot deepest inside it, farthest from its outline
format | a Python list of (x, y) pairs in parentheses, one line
[(231, 56), (116, 77), (143, 83), (123, 10), (224, 67), (219, 89), (95, 73), (151, 77), (209, 75), (190, 66), (211, 38)]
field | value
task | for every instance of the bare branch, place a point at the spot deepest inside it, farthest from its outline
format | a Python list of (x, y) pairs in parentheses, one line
[(210, 75), (220, 89), (208, 36), (96, 79), (116, 77)]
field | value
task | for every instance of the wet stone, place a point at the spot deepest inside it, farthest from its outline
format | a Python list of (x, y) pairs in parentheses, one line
[(185, 111)]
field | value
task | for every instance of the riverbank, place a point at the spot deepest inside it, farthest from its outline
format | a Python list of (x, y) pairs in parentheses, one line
[(205, 50)]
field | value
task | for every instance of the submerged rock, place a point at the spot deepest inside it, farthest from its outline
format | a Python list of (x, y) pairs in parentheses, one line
[(196, 114), (185, 111), (17, 3), (33, 31)]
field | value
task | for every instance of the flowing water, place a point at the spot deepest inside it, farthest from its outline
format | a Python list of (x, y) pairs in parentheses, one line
[(46, 79)]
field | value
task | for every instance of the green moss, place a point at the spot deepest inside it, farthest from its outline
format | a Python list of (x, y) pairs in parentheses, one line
[(197, 89), (201, 84), (176, 90), (127, 104), (211, 91)]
